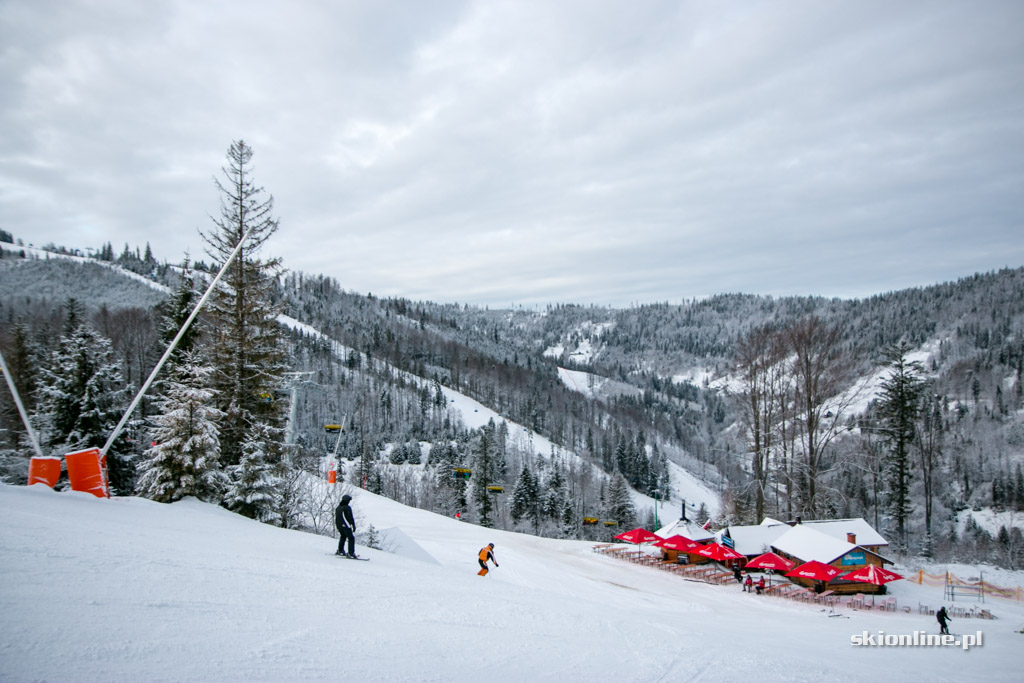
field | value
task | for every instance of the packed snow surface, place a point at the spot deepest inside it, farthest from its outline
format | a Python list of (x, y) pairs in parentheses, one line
[(131, 590)]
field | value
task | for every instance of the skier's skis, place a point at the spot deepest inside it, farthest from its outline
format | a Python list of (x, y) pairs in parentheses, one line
[(364, 559)]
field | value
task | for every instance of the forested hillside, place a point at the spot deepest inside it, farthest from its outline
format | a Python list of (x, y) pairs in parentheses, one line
[(786, 406)]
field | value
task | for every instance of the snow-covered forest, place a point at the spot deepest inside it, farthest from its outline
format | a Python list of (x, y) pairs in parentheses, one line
[(905, 408)]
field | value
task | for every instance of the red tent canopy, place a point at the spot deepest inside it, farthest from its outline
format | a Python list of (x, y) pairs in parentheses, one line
[(770, 561), (871, 574), (718, 552), (638, 535), (819, 571), (680, 543)]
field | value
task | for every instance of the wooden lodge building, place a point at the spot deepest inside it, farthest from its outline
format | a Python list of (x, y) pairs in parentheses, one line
[(846, 544), (687, 529)]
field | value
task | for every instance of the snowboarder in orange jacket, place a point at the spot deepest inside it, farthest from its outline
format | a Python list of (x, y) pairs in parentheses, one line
[(486, 553)]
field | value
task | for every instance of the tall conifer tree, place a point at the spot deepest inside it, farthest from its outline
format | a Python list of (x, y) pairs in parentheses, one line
[(898, 407), (245, 338)]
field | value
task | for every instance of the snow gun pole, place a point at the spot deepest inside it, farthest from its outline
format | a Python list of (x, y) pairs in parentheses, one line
[(338, 441), (21, 408), (173, 345)]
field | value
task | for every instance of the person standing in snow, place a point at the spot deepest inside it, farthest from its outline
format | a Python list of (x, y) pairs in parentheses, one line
[(942, 617), (346, 527), (486, 553), (748, 584)]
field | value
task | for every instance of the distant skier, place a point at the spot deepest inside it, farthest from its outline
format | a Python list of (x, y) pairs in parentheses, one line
[(942, 617), (346, 527), (486, 553)]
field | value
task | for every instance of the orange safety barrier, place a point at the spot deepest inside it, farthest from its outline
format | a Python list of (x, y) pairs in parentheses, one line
[(87, 471), (44, 470), (332, 477), (949, 578)]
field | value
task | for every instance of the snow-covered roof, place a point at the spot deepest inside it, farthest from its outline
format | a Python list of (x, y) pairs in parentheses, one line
[(687, 529), (838, 528), (806, 543), (754, 540)]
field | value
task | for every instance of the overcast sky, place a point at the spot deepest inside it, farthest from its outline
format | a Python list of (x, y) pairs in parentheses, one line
[(502, 153)]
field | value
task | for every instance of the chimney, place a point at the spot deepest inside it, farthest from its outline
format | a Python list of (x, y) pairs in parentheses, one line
[(683, 518), (851, 537)]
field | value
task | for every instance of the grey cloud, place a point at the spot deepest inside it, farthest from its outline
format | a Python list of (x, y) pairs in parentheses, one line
[(494, 152)]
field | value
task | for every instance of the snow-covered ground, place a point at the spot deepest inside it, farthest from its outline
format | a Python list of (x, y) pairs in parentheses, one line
[(990, 520), (594, 386), (43, 254), (129, 590)]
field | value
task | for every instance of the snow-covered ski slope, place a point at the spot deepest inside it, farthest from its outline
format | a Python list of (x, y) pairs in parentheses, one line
[(132, 590)]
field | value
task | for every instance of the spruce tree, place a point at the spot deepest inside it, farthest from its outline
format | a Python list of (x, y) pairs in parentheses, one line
[(257, 484), (526, 499), (246, 342), (899, 406), (414, 453), (554, 494), (82, 397), (449, 490), (185, 457), (484, 470), (176, 311), (523, 494), (620, 502)]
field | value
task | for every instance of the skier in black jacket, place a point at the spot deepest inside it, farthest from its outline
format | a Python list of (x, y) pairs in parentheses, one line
[(346, 527)]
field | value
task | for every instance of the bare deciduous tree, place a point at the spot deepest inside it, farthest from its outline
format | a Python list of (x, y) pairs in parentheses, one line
[(821, 377)]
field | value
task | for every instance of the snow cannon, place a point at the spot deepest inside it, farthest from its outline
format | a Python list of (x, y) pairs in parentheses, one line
[(44, 470), (87, 471)]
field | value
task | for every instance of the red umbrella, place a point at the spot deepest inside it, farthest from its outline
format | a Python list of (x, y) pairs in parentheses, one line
[(819, 571), (871, 574), (680, 543), (638, 536), (770, 561), (718, 552)]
